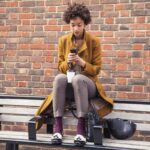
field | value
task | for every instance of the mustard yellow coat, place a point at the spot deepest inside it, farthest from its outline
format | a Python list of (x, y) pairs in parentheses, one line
[(91, 53)]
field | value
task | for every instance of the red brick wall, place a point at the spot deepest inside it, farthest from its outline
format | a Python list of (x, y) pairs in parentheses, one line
[(29, 32)]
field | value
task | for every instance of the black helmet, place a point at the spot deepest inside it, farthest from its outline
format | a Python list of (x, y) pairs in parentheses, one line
[(121, 129)]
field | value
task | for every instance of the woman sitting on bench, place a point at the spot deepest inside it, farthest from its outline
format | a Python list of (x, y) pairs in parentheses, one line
[(86, 63)]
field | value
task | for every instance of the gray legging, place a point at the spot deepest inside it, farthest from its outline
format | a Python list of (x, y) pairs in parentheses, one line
[(84, 89)]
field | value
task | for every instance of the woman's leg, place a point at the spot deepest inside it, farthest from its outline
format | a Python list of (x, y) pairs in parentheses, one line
[(59, 96), (84, 89)]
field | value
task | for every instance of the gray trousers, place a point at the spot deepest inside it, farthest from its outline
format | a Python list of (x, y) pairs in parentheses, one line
[(83, 88)]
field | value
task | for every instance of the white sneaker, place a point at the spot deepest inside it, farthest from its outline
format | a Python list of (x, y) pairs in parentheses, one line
[(79, 140), (56, 139)]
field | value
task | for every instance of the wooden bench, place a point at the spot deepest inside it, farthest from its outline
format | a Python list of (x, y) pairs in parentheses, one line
[(19, 110)]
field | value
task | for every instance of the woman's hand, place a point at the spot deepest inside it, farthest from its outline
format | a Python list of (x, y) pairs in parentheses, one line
[(78, 60), (72, 57)]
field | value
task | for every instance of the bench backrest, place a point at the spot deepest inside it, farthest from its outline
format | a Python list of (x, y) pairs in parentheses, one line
[(18, 109), (22, 109)]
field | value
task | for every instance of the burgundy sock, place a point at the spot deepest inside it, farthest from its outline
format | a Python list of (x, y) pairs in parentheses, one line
[(81, 126), (58, 125)]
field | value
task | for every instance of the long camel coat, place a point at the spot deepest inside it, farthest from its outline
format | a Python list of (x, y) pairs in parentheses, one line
[(90, 51)]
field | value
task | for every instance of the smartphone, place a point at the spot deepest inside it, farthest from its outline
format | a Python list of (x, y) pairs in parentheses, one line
[(73, 50)]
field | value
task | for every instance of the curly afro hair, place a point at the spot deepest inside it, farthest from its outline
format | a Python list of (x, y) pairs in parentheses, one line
[(77, 10)]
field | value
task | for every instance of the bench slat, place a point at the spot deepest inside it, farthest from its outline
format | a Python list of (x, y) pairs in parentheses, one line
[(19, 111), (69, 139), (129, 116), (15, 118), (20, 102), (143, 127), (132, 107)]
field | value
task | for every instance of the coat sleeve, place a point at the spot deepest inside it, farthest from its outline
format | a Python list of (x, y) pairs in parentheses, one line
[(62, 63), (94, 67)]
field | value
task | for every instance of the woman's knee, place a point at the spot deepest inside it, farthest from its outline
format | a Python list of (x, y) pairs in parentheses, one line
[(60, 79), (78, 79)]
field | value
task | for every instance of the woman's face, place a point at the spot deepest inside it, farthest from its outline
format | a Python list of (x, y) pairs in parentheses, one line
[(77, 26)]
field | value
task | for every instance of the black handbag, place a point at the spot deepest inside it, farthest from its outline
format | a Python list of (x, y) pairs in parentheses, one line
[(92, 119)]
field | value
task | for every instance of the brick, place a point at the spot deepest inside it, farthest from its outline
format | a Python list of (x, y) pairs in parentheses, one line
[(23, 65), (124, 1), (38, 46), (137, 96), (52, 9), (26, 28), (123, 88), (123, 47), (108, 7), (36, 78), (124, 34), (124, 27), (124, 74), (27, 4), (137, 82), (148, 89), (22, 78), (108, 34), (52, 28), (95, 7), (147, 5), (122, 67), (24, 47), (9, 84), (138, 88), (36, 65), (138, 26), (24, 40), (139, 13), (109, 2), (22, 84), (37, 59), (139, 6), (124, 20), (140, 33), (94, 2), (137, 54), (139, 1), (140, 40), (124, 13), (27, 16), (109, 27), (3, 16), (107, 81), (2, 10), (138, 46), (109, 20), (109, 14), (136, 74), (53, 2), (61, 8), (23, 91), (38, 9), (121, 81), (36, 85), (87, 2), (36, 72), (93, 27), (13, 10), (53, 15), (147, 47)]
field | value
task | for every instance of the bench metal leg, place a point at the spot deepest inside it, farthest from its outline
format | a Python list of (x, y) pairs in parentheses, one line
[(12, 146), (32, 130), (98, 135), (49, 128)]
